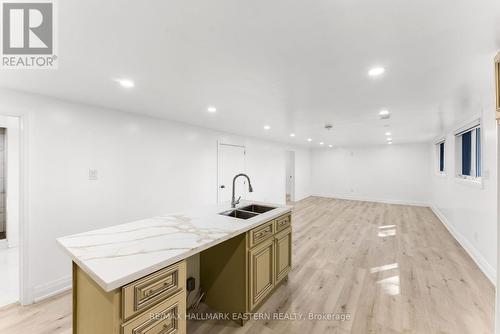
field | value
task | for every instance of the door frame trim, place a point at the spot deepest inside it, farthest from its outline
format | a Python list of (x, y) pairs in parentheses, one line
[(219, 144), (25, 291)]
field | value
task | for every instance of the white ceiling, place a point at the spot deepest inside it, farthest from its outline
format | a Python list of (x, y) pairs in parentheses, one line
[(294, 65)]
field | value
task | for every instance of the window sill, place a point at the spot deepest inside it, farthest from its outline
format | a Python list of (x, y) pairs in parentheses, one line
[(441, 174), (471, 182)]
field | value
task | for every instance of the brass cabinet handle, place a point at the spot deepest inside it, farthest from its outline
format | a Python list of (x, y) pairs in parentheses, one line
[(261, 233), (152, 291)]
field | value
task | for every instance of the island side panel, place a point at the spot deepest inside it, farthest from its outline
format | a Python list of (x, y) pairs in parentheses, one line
[(94, 310), (223, 276)]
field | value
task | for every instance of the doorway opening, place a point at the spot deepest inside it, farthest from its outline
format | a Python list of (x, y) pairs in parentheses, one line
[(9, 210), (290, 176)]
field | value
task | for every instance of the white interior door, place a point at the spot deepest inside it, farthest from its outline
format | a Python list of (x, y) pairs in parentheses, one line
[(231, 161)]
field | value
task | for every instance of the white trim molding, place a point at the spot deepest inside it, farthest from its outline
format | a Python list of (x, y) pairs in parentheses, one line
[(370, 199), (467, 125), (476, 256), (50, 289), (439, 140)]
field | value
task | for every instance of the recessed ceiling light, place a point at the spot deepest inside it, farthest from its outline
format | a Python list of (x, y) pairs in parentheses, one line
[(384, 112), (389, 139), (387, 133), (267, 127), (330, 146), (376, 71), (127, 83), (321, 143), (211, 109), (309, 139), (389, 142), (292, 134)]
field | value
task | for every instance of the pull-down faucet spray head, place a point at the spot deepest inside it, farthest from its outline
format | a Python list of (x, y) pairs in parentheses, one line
[(235, 201)]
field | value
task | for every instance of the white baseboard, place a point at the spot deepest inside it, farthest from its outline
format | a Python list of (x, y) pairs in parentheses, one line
[(51, 289), (476, 256), (371, 199), (300, 198)]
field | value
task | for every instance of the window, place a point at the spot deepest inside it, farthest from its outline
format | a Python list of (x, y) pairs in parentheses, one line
[(469, 153), (440, 157)]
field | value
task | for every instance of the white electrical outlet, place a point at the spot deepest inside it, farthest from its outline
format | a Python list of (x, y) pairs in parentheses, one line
[(93, 175)]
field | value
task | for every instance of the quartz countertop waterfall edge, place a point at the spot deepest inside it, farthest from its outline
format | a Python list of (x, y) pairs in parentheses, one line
[(118, 255)]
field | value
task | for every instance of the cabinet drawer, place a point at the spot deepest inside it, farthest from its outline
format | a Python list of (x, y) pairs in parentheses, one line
[(283, 222), (151, 289), (168, 317), (261, 233)]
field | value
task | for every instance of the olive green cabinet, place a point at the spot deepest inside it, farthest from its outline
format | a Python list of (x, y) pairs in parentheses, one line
[(153, 304), (261, 271), (269, 259), (239, 274), (283, 254)]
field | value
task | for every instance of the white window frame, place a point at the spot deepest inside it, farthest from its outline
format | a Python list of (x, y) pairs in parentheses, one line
[(472, 126), (437, 145)]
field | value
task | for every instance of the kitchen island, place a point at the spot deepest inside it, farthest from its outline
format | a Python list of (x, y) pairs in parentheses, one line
[(131, 278)]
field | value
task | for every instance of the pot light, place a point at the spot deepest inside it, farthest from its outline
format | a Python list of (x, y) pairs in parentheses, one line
[(389, 139), (321, 143), (330, 146), (292, 134), (126, 83), (309, 139), (376, 71), (387, 133), (267, 127), (390, 142), (384, 112), (211, 109)]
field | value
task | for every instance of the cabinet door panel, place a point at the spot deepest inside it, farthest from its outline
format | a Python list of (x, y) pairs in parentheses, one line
[(261, 271), (283, 254)]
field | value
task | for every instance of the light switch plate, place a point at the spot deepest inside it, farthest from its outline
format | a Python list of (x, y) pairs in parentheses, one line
[(93, 174)]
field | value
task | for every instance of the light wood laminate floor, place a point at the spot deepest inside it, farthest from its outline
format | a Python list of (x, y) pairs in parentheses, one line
[(392, 268)]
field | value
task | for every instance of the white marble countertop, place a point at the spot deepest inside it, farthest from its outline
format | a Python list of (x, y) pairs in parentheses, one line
[(118, 255)]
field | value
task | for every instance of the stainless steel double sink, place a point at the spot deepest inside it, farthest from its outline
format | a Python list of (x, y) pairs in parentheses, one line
[(247, 212)]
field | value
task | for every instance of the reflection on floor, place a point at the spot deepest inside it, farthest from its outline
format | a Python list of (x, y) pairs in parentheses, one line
[(9, 276), (414, 279)]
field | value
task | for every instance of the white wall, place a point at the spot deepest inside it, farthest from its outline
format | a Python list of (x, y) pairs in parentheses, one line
[(388, 173), (146, 167), (467, 209)]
